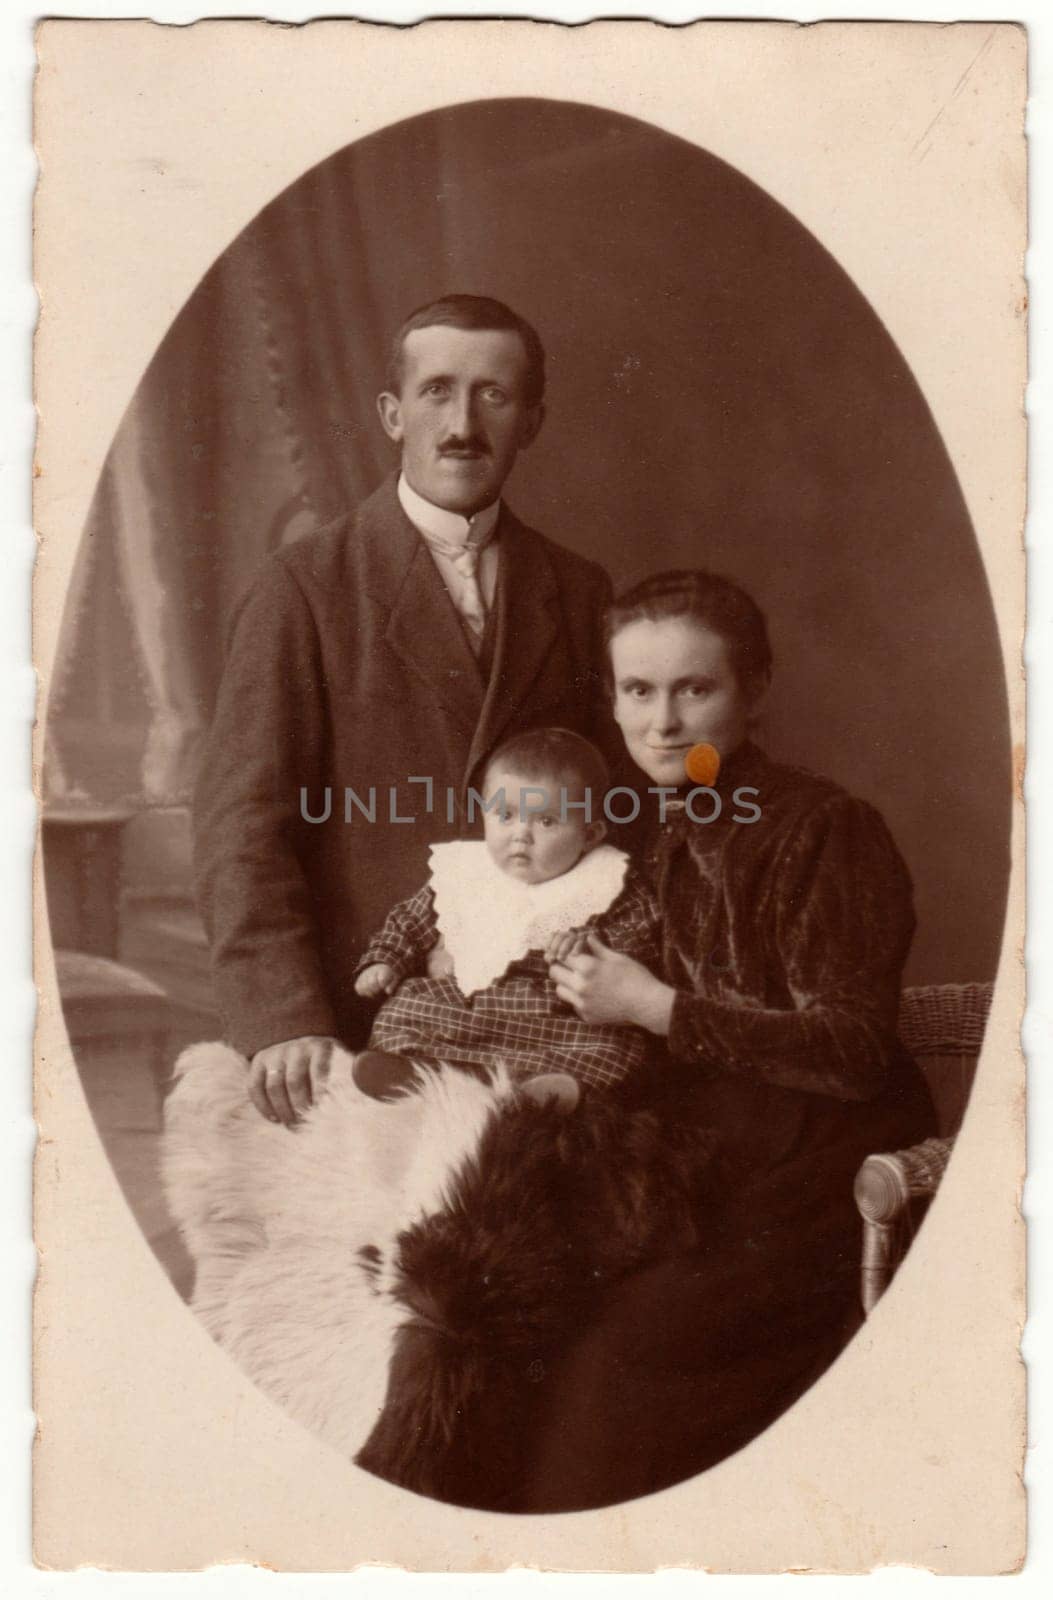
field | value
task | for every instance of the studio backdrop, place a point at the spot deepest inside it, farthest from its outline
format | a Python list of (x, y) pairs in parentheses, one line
[(720, 394)]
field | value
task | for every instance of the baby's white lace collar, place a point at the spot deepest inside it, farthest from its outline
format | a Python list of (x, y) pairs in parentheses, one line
[(488, 920)]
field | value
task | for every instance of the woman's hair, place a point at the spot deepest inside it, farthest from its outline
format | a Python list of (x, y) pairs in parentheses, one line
[(553, 755), (710, 600)]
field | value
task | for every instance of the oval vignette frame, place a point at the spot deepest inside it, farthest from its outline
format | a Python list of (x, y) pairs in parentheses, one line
[(712, 370)]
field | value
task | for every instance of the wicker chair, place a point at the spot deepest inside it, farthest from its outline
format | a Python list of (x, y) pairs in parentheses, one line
[(942, 1025)]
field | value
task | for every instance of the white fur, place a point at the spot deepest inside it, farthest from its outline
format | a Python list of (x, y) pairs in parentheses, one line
[(275, 1218)]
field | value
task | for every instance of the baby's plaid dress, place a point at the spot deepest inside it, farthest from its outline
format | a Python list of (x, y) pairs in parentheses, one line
[(517, 1019)]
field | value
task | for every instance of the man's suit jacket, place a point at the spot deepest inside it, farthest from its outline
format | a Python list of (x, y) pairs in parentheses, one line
[(348, 668)]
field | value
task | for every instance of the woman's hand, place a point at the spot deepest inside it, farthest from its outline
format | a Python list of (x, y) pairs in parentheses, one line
[(604, 986), (561, 946)]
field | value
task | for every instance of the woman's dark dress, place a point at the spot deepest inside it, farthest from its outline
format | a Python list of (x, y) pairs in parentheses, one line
[(785, 939)]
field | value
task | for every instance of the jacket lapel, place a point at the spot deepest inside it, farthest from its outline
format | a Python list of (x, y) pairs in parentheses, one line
[(425, 631), (423, 628), (527, 628)]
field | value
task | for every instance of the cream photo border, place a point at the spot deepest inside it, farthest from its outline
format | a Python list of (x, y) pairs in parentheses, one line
[(901, 147)]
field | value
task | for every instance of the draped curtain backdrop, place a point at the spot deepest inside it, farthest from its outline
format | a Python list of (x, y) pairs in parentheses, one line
[(720, 394)]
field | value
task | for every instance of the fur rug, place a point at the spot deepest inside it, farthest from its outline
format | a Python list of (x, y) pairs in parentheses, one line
[(397, 1275)]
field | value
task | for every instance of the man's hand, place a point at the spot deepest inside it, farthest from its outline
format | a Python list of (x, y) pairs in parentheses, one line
[(604, 986), (285, 1080), (376, 980)]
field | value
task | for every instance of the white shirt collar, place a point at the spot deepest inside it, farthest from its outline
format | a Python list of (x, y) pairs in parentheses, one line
[(449, 525)]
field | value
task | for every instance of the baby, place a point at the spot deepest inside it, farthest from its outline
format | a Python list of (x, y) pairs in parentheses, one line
[(502, 908)]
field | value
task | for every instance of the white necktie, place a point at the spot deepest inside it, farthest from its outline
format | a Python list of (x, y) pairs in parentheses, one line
[(464, 558), (473, 607)]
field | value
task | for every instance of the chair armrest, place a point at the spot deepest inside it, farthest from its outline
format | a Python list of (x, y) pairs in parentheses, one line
[(885, 1184)]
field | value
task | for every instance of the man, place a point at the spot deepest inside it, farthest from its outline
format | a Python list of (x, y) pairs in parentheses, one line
[(405, 642)]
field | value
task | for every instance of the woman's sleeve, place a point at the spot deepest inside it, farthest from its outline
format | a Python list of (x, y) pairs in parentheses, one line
[(839, 919)]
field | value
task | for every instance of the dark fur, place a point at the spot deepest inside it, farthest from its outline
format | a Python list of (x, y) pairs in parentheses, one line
[(552, 1210)]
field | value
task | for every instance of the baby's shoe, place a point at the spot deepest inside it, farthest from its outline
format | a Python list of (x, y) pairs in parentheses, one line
[(383, 1076)]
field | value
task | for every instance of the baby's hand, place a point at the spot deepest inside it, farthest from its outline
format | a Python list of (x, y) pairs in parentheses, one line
[(440, 962), (563, 945), (376, 980)]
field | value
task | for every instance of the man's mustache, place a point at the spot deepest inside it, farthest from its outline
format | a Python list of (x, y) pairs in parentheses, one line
[(472, 442)]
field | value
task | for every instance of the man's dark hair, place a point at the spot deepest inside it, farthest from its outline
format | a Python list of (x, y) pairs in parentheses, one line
[(476, 313), (710, 600), (553, 756)]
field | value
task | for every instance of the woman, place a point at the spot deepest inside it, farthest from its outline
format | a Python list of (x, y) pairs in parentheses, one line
[(784, 943)]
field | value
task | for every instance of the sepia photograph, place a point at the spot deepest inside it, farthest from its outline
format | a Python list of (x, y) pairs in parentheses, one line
[(529, 770)]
